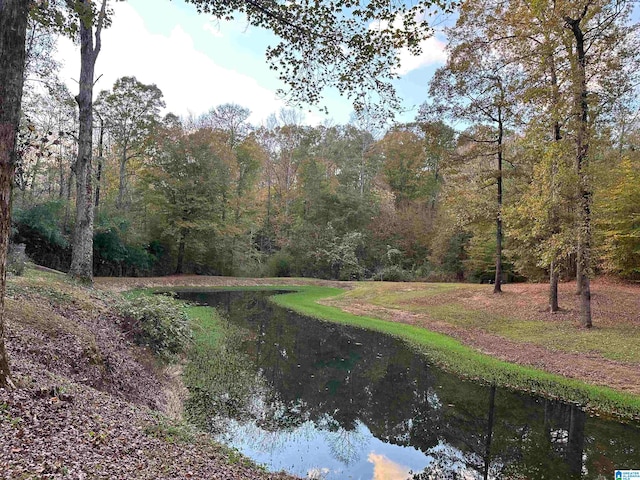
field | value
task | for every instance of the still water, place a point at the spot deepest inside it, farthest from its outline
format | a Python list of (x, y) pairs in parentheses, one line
[(334, 402)]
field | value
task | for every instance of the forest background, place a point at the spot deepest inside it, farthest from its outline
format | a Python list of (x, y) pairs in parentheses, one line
[(501, 197)]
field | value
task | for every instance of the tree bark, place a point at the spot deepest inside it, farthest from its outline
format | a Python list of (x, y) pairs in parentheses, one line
[(82, 249), (181, 247), (122, 177), (100, 160), (582, 163), (497, 288), (555, 227), (553, 287), (13, 31)]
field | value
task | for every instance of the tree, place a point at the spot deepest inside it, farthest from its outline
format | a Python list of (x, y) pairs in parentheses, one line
[(341, 43), (82, 250), (597, 78), (618, 209), (13, 27), (404, 165), (477, 85), (527, 36), (185, 178), (131, 109), (230, 118)]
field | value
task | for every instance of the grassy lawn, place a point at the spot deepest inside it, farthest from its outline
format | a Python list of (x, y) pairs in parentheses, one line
[(617, 341), (464, 361)]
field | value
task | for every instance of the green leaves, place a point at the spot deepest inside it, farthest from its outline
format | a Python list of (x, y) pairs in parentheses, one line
[(328, 43), (158, 322)]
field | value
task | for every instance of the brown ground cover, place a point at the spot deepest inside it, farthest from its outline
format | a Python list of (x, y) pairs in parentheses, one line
[(89, 404)]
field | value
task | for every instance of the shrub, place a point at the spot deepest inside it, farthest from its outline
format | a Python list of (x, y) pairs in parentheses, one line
[(394, 273), (43, 220), (158, 322), (279, 265)]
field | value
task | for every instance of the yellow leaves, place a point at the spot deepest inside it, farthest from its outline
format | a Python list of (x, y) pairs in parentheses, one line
[(617, 212)]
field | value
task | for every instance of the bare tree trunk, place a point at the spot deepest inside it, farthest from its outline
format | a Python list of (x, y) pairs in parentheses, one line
[(497, 288), (555, 227), (82, 250), (582, 162), (553, 287), (181, 247), (122, 185), (100, 160), (13, 31), (579, 278)]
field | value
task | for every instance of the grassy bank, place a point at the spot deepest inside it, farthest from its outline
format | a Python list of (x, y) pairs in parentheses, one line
[(519, 314), (466, 362), (448, 352)]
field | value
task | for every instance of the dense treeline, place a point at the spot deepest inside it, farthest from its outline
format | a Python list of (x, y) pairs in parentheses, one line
[(534, 184)]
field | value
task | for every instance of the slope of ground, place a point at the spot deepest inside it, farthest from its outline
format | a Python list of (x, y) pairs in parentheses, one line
[(517, 327), (89, 403)]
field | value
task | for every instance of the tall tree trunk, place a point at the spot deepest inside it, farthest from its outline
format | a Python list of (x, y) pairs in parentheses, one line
[(122, 185), (555, 227), (13, 32), (582, 163), (553, 287), (181, 247), (100, 160), (497, 288), (82, 250)]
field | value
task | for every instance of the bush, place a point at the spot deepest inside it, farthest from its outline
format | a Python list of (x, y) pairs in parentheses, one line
[(279, 265), (394, 273), (44, 220), (158, 322)]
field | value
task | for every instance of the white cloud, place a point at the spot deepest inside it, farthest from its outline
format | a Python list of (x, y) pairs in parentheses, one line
[(190, 80), (386, 469), (433, 49), (433, 53)]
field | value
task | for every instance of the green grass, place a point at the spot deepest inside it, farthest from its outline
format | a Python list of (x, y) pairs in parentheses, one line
[(620, 342), (466, 362), (445, 351)]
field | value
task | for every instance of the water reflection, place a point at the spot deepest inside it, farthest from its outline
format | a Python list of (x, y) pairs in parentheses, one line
[(346, 403)]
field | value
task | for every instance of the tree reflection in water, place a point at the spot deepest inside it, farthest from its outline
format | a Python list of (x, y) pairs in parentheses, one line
[(358, 403)]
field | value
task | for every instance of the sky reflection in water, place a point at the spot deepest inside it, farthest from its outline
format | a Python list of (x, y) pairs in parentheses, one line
[(333, 402)]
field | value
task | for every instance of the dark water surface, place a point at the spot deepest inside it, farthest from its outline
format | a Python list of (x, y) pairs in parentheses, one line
[(345, 403)]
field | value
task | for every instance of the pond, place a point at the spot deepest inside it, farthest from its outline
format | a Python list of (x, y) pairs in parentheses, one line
[(334, 402)]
